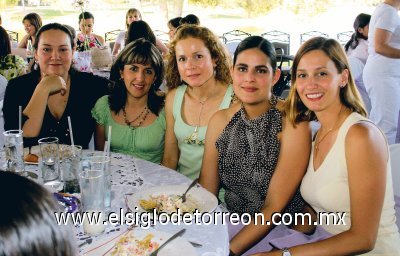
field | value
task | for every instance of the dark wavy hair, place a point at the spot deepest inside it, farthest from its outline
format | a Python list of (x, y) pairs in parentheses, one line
[(5, 45), (361, 21), (175, 22), (27, 223), (212, 43), (142, 52), (260, 43), (34, 19), (190, 19), (140, 29)]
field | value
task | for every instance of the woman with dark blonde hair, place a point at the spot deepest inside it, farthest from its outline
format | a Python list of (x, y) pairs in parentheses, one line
[(349, 170), (198, 80), (32, 23)]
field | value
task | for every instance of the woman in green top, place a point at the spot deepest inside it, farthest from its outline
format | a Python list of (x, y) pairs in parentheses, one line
[(134, 109)]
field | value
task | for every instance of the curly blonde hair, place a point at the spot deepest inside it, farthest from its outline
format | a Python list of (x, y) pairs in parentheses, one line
[(213, 44), (295, 109)]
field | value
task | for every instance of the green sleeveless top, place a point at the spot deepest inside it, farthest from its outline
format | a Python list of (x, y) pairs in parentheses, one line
[(192, 148)]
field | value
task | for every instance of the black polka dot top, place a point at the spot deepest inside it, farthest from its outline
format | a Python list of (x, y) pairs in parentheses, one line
[(248, 152)]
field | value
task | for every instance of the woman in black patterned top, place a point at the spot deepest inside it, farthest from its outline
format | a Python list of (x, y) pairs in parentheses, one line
[(253, 152)]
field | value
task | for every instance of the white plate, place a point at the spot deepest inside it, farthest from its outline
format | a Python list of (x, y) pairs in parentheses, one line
[(178, 246), (207, 202)]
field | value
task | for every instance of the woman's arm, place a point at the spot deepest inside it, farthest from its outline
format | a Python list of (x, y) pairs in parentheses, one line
[(24, 42), (116, 48), (161, 46), (99, 137), (36, 107), (292, 164), (366, 157), (382, 38), (209, 177), (171, 150)]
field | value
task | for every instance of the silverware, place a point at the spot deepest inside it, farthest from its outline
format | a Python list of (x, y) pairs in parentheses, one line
[(197, 245), (168, 240), (87, 241), (187, 190)]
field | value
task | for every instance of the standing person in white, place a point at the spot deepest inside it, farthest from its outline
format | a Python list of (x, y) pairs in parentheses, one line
[(382, 70)]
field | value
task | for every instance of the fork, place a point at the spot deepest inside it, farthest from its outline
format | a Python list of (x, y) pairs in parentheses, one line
[(187, 190), (155, 253)]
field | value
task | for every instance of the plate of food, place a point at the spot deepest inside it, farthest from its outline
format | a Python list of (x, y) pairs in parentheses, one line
[(139, 242), (168, 199), (31, 155)]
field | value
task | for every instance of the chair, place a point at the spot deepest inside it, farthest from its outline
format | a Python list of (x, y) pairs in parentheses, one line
[(13, 35), (310, 34), (279, 39), (344, 37), (112, 35), (395, 163), (232, 45), (163, 36), (235, 35)]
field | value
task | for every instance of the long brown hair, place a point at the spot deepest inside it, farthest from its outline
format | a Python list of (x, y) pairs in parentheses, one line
[(349, 96)]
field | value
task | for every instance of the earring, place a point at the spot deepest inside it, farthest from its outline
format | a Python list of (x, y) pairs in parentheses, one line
[(36, 65)]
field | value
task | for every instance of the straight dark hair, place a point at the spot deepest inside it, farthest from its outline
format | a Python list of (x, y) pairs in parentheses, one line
[(142, 52), (361, 21), (5, 45), (260, 43), (85, 16), (27, 222), (175, 22), (140, 29)]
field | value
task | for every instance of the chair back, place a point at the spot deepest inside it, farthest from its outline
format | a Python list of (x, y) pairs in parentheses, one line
[(163, 36), (232, 45), (13, 35), (279, 39), (310, 34), (112, 35), (344, 37), (395, 163), (235, 35)]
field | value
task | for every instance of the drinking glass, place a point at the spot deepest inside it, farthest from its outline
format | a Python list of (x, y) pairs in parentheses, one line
[(102, 163), (14, 148), (50, 163), (70, 167), (92, 184)]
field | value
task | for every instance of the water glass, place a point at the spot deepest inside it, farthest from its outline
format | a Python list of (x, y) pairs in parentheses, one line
[(70, 167), (102, 163), (92, 183), (50, 162), (14, 148)]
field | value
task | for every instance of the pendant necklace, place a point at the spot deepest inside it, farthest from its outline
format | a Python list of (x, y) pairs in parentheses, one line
[(319, 140), (145, 112)]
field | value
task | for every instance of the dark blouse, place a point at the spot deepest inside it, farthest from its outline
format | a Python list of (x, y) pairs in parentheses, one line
[(248, 152), (85, 89)]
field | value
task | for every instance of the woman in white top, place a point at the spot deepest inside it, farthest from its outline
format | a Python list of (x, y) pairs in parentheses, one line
[(357, 52), (349, 169), (132, 15), (382, 72)]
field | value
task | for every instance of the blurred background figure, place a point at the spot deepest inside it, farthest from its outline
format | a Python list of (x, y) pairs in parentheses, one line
[(140, 29), (11, 65), (27, 224), (173, 24), (86, 38), (32, 23), (190, 19), (382, 71), (357, 52)]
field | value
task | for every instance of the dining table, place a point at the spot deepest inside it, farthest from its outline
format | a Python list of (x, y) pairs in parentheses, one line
[(130, 175)]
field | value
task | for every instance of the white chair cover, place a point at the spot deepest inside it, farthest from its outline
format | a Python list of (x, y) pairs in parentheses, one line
[(231, 46), (395, 163), (3, 85)]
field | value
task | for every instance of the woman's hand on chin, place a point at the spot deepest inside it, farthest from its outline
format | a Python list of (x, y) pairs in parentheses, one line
[(53, 84)]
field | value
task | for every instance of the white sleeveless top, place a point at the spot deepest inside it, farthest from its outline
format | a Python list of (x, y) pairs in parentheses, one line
[(327, 190)]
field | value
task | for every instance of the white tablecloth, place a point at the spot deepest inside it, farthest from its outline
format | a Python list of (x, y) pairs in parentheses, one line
[(130, 175)]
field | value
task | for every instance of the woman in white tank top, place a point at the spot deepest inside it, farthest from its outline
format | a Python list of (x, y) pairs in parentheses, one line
[(349, 169)]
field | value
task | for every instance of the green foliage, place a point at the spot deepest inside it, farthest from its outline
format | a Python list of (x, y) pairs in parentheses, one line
[(257, 7), (206, 3), (309, 7)]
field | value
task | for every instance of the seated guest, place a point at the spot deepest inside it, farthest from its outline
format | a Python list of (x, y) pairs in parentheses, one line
[(198, 80), (252, 150), (86, 39), (54, 91), (140, 29), (134, 108), (173, 24), (11, 65), (27, 224), (349, 169), (32, 23), (190, 19), (133, 15)]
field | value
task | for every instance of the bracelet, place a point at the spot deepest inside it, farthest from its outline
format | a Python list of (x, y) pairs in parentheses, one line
[(231, 253)]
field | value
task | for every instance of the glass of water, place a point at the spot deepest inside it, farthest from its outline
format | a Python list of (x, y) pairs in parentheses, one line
[(50, 163), (70, 167), (14, 148), (102, 163)]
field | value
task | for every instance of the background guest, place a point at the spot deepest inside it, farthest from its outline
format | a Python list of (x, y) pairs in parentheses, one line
[(52, 92), (32, 23), (190, 19), (173, 24), (140, 29), (86, 24), (134, 108), (381, 73)]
